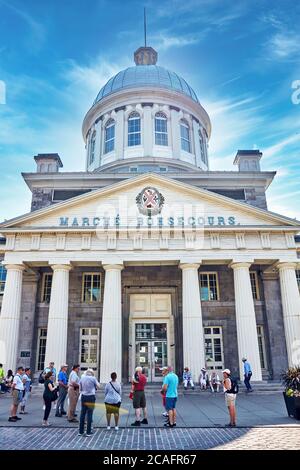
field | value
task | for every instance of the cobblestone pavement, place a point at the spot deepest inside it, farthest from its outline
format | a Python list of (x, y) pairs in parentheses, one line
[(151, 439)]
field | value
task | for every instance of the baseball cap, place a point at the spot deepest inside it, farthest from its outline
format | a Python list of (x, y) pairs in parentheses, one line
[(164, 368)]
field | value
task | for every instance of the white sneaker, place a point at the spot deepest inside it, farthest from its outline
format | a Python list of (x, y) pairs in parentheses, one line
[(117, 428), (108, 427)]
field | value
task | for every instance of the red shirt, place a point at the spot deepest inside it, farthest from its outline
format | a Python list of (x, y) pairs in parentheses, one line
[(140, 385)]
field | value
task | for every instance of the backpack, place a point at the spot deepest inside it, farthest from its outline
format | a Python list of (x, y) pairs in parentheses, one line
[(234, 386), (41, 378)]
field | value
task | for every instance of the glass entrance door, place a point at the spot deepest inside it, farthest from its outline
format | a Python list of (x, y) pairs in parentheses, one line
[(151, 348), (89, 347)]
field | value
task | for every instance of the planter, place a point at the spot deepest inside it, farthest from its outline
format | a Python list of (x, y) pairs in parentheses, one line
[(293, 406)]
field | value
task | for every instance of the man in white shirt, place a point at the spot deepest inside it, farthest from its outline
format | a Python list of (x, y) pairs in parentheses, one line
[(17, 394), (88, 386), (73, 393)]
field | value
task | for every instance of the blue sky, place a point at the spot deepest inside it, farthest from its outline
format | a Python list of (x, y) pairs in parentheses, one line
[(241, 58)]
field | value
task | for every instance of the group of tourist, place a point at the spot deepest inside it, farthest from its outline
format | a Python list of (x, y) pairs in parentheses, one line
[(59, 387)]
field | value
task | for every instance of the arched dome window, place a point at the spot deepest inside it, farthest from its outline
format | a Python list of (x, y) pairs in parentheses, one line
[(134, 129), (185, 136), (202, 150), (92, 148), (161, 129), (109, 138)]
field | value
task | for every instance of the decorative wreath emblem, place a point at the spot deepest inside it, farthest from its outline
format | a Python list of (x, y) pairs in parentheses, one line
[(150, 201)]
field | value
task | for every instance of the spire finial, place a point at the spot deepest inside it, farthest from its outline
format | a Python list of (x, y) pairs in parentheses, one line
[(145, 55), (145, 27)]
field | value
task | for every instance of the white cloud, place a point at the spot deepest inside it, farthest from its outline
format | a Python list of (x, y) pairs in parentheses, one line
[(284, 45)]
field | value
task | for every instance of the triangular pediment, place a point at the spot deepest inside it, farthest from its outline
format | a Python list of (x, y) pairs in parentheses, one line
[(127, 204)]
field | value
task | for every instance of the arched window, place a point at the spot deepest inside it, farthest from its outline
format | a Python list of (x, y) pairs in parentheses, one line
[(109, 139), (92, 148), (134, 129), (185, 136), (161, 129), (202, 151)]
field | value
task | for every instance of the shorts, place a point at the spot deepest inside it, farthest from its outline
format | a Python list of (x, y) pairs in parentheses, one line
[(230, 399), (139, 399), (112, 409), (17, 396), (171, 403)]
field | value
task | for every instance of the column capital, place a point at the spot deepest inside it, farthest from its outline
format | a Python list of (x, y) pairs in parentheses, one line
[(61, 266), (14, 267), (184, 266), (240, 264), (286, 265), (113, 267)]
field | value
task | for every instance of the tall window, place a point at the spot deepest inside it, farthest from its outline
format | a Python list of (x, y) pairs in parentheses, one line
[(298, 278), (161, 129), (109, 139), (92, 148), (3, 273), (213, 347), (46, 287), (202, 151), (209, 286), (185, 136), (41, 348), (261, 346), (254, 285), (134, 129), (91, 285)]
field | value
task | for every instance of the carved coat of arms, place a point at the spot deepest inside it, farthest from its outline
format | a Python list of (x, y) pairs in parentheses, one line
[(150, 201)]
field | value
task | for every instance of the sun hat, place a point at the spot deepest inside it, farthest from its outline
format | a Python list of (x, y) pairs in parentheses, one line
[(226, 371)]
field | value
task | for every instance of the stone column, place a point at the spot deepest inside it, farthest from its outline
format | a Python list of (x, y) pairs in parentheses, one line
[(119, 137), (290, 300), (193, 338), (245, 320), (148, 131), (10, 316), (176, 141), (57, 329), (111, 330)]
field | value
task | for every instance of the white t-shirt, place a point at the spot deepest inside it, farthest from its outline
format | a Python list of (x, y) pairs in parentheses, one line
[(18, 383), (73, 377)]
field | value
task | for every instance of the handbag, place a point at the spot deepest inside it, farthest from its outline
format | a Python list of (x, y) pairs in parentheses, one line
[(54, 395)]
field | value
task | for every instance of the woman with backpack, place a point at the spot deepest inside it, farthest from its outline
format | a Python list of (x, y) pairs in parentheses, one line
[(50, 395), (112, 400), (230, 387)]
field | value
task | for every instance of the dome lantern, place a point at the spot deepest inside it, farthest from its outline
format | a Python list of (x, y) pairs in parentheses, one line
[(145, 56)]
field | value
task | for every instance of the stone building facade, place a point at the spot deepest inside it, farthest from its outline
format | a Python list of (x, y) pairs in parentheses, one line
[(148, 257)]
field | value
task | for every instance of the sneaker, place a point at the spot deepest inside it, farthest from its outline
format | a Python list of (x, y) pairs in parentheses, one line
[(46, 424), (74, 420), (168, 425), (12, 420), (165, 414), (145, 421), (136, 423), (17, 418), (117, 428), (79, 434), (108, 428), (89, 435)]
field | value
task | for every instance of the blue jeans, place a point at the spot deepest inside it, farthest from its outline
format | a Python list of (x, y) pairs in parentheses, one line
[(87, 409), (247, 378)]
